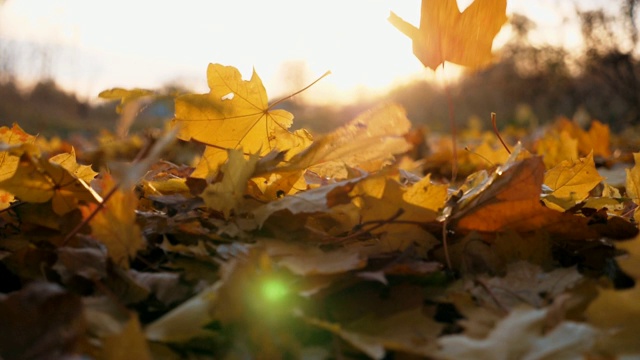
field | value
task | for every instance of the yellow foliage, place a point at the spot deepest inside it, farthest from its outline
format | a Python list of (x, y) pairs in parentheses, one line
[(115, 224), (227, 194), (571, 182), (446, 34), (556, 147), (235, 114)]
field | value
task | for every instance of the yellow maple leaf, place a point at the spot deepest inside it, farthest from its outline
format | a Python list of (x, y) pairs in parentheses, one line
[(426, 194), (37, 180), (571, 182), (227, 194), (12, 136), (235, 114), (8, 161), (68, 161), (446, 34), (115, 224)]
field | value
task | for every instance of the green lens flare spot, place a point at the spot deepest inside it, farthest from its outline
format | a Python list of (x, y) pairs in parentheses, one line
[(274, 290)]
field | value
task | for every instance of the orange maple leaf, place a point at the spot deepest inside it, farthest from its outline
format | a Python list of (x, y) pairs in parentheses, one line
[(510, 200), (446, 34)]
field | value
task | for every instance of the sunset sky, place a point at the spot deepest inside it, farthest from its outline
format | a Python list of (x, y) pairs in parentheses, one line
[(87, 47)]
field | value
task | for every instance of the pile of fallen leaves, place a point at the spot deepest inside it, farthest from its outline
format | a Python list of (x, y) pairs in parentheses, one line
[(278, 245), (274, 244)]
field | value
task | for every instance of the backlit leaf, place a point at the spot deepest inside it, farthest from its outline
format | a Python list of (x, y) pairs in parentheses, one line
[(571, 181), (124, 240), (38, 180), (446, 34), (235, 114), (12, 136), (367, 142), (227, 194)]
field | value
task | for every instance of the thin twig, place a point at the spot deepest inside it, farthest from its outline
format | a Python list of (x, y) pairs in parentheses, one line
[(495, 130)]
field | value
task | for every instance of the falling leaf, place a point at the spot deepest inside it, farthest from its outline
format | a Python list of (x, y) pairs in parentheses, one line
[(446, 34), (235, 114), (226, 195), (125, 96), (523, 335), (570, 182), (124, 240)]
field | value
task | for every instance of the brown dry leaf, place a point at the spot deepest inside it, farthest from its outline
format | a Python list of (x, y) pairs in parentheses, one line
[(524, 283), (124, 240), (570, 182), (235, 114), (523, 334), (407, 331), (368, 142), (317, 200), (41, 321), (445, 34), (310, 260)]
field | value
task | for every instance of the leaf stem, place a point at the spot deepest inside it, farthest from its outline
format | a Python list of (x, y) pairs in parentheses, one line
[(299, 91)]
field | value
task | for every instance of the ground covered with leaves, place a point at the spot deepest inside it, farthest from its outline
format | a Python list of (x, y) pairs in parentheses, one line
[(355, 244)]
